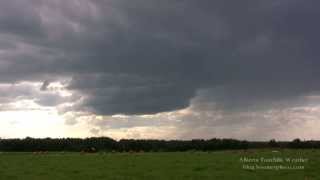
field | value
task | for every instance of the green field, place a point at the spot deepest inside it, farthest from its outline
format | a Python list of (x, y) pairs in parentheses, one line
[(152, 166)]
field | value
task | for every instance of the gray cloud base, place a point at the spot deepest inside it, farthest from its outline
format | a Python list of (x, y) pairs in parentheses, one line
[(145, 57)]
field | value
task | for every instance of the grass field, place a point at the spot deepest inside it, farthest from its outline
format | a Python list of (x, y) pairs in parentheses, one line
[(219, 165)]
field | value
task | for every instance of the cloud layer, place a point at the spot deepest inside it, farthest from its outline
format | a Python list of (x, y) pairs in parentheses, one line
[(146, 57)]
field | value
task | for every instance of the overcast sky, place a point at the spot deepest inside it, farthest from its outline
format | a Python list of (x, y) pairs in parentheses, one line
[(169, 69)]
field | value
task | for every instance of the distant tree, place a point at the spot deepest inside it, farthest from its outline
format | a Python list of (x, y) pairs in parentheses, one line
[(273, 143), (296, 143)]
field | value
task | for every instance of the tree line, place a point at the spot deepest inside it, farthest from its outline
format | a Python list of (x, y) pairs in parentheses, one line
[(131, 145)]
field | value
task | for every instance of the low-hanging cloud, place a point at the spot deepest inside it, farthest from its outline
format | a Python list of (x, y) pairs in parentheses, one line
[(147, 57)]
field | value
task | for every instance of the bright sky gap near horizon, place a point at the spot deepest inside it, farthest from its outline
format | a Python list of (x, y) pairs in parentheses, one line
[(163, 69)]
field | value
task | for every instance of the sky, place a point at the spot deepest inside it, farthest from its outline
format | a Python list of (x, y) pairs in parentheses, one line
[(160, 69)]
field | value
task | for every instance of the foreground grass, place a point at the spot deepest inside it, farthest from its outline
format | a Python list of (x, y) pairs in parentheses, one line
[(181, 166)]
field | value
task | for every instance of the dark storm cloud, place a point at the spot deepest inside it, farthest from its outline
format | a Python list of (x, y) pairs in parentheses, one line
[(45, 85), (118, 94), (144, 57)]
